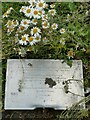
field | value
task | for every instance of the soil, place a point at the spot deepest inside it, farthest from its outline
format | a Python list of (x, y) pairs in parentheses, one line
[(37, 114)]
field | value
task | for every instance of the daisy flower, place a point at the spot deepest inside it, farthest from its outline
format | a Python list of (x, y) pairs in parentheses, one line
[(44, 39), (9, 10), (70, 54), (46, 6), (35, 30), (52, 5), (21, 28), (25, 23), (16, 35), (32, 3), (9, 23), (28, 11), (10, 29), (34, 22), (22, 8), (5, 15), (31, 39), (62, 30), (52, 12), (35, 13), (62, 41), (44, 17), (15, 23), (37, 38), (54, 26), (22, 51), (24, 39), (45, 24), (41, 12), (40, 5)]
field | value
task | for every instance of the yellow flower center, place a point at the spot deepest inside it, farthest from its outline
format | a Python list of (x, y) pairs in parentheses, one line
[(21, 27), (37, 38), (40, 4), (62, 30), (22, 9), (54, 26), (35, 12), (23, 38), (45, 24), (35, 30), (10, 23), (8, 9), (15, 22), (33, 4), (52, 12), (34, 20), (52, 5), (28, 11), (45, 17), (10, 29), (30, 39), (70, 53), (25, 22)]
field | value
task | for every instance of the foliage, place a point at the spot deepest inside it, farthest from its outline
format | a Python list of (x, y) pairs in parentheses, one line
[(69, 40), (74, 112)]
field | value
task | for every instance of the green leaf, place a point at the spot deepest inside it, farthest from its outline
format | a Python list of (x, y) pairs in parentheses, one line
[(69, 62), (71, 6)]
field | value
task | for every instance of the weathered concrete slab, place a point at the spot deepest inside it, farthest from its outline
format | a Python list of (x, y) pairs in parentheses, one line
[(33, 83)]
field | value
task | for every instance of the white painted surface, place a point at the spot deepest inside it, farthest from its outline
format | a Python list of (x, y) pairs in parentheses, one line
[(34, 92)]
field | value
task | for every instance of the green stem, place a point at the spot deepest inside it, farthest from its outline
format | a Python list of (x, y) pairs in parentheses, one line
[(19, 18), (17, 13)]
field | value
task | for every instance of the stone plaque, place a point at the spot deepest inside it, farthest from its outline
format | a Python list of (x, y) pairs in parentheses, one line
[(36, 83)]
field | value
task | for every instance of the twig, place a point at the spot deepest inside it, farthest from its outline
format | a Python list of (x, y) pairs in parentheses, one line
[(75, 94), (74, 80)]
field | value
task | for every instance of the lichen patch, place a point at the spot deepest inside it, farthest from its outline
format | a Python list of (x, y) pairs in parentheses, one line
[(50, 82)]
